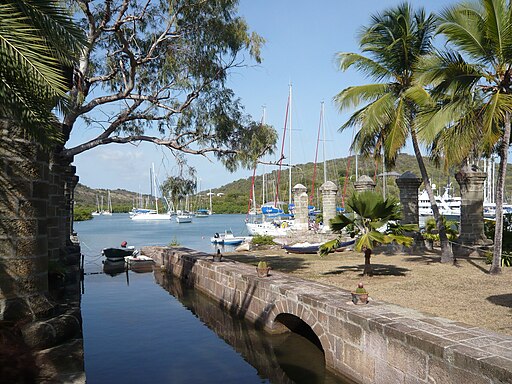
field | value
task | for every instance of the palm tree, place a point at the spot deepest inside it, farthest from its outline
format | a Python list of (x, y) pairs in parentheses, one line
[(371, 213), (395, 41), (38, 41), (479, 67)]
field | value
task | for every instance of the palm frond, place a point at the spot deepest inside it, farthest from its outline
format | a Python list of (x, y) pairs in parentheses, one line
[(363, 64), (353, 96)]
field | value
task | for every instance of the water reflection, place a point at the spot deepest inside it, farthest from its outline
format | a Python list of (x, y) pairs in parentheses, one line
[(285, 358)]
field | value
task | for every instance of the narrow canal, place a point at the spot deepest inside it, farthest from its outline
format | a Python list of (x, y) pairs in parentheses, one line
[(147, 328)]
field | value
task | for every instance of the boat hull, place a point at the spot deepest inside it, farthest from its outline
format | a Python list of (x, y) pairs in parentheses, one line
[(117, 254)]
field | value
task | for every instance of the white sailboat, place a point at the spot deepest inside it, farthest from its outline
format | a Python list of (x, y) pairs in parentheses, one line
[(271, 222), (151, 214), (108, 212), (97, 212), (184, 216)]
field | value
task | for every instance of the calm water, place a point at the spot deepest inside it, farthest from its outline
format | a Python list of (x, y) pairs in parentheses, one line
[(147, 328)]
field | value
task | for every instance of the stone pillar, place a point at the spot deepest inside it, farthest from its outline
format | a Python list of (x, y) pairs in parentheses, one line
[(471, 182), (408, 184), (364, 183), (23, 229), (329, 190), (301, 207)]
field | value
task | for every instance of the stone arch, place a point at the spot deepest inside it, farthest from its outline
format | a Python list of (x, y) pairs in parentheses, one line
[(292, 316)]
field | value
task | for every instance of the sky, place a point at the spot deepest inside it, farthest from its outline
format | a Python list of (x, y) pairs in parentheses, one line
[(302, 40)]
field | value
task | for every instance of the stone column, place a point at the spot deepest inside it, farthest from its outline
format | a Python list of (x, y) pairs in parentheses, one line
[(408, 184), (328, 190), (471, 182), (23, 229), (301, 207), (364, 183)]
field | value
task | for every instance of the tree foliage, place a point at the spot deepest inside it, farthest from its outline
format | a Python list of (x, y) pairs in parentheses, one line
[(475, 66), (368, 221), (393, 44), (155, 71), (38, 40)]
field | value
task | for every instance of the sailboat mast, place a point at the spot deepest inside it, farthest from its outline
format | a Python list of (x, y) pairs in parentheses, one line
[(282, 152), (316, 159), (290, 151), (154, 186), (263, 192), (323, 142)]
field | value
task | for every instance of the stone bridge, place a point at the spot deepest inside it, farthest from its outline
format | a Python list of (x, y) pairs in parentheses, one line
[(374, 343)]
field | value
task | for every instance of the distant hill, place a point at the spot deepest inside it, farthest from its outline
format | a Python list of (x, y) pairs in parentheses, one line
[(234, 197)]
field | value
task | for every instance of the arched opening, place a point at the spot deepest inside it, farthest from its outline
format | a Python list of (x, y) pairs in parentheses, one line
[(297, 325)]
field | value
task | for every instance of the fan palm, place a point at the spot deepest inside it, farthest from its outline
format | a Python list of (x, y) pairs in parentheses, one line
[(394, 42), (370, 213), (37, 40), (479, 67)]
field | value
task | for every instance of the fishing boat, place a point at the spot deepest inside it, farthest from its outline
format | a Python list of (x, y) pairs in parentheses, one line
[(117, 254), (227, 238)]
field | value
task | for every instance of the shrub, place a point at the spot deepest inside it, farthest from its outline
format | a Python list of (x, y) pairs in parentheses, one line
[(263, 240)]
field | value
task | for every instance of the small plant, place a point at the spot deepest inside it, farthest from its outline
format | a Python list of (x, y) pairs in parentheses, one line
[(263, 240), (262, 269), (174, 243), (360, 295), (360, 288)]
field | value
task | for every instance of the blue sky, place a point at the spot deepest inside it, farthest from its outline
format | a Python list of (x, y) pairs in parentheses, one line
[(302, 39)]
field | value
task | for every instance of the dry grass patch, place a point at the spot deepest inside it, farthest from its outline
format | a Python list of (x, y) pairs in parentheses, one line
[(464, 292)]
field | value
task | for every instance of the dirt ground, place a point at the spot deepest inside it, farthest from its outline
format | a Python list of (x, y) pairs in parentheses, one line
[(465, 292)]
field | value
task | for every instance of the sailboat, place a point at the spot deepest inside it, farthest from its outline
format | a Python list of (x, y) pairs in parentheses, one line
[(271, 222), (108, 212), (97, 212), (151, 214), (184, 216)]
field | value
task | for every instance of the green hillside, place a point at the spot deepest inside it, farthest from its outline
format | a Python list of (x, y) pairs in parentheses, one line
[(234, 197)]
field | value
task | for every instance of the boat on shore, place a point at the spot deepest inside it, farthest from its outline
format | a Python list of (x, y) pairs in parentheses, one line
[(305, 247)]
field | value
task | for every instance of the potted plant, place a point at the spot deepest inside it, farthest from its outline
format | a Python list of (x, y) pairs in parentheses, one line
[(262, 269), (360, 295)]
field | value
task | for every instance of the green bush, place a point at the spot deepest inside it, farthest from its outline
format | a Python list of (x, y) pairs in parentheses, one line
[(263, 240), (82, 214)]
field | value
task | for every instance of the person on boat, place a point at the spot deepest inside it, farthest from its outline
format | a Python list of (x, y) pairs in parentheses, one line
[(124, 244)]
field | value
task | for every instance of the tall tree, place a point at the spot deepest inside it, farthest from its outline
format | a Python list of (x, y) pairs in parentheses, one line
[(38, 40), (394, 42), (477, 65), (155, 71)]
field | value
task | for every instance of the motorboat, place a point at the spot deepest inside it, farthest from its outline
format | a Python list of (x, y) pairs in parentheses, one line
[(117, 254), (227, 238), (184, 217)]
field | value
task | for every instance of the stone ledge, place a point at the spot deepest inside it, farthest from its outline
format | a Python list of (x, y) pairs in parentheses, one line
[(461, 350)]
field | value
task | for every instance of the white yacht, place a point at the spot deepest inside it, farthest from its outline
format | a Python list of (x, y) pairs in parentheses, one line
[(448, 205)]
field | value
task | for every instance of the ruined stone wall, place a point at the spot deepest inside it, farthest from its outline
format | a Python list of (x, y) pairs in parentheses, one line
[(374, 343)]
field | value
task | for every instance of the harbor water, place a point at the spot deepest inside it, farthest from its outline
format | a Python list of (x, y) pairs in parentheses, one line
[(148, 328)]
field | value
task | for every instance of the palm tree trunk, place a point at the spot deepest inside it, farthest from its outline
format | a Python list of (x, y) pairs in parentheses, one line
[(446, 250), (500, 189)]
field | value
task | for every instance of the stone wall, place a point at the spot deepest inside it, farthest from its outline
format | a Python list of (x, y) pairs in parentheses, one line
[(374, 343), (40, 321)]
